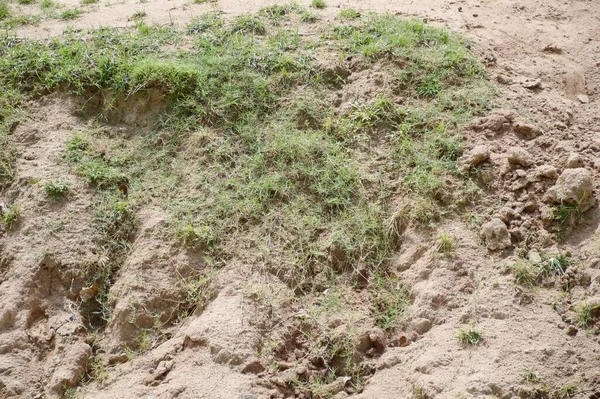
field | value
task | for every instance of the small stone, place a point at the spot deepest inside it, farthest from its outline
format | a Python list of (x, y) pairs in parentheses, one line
[(572, 330), (254, 366), (575, 161), (532, 84), (534, 256), (573, 187), (474, 157), (377, 337), (527, 131), (561, 326), (421, 325), (495, 235), (546, 172), (520, 157), (583, 98)]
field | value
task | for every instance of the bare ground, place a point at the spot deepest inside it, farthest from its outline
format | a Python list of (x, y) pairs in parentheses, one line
[(216, 352)]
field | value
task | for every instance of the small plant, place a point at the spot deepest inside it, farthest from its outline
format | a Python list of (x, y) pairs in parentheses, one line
[(525, 273), (98, 370), (469, 336), (248, 23), (555, 265), (10, 216), (320, 4), (308, 17), (26, 2), (204, 1), (277, 12), (198, 291), (206, 22), (139, 14), (587, 314), (446, 244), (71, 13), (201, 237), (46, 4), (390, 298), (566, 392), (349, 13), (531, 376), (4, 11), (57, 189), (566, 215), (144, 341), (89, 1)]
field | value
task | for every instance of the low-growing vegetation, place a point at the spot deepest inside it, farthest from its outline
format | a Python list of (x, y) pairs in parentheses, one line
[(469, 336), (250, 159)]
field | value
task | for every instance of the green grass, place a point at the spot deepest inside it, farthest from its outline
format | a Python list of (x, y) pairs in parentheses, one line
[(446, 244), (10, 217), (21, 20), (4, 10), (390, 299), (70, 14), (525, 273), (47, 4), (588, 314), (248, 24), (276, 13), (57, 189), (318, 4), (469, 336), (247, 156), (349, 13), (89, 1)]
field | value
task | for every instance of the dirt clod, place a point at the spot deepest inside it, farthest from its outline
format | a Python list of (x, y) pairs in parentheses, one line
[(574, 187), (495, 235)]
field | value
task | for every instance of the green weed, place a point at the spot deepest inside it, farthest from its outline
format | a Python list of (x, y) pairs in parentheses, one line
[(11, 216), (446, 244), (318, 4), (349, 13), (248, 24), (390, 298), (469, 336), (57, 189), (525, 273), (4, 10), (588, 314), (69, 14)]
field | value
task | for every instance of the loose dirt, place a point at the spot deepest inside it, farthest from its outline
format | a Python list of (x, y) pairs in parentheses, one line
[(538, 149)]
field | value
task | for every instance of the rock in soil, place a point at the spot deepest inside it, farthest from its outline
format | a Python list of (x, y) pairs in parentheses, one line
[(573, 187), (495, 235)]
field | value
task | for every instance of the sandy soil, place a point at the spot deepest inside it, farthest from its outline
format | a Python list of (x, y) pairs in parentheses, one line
[(544, 57)]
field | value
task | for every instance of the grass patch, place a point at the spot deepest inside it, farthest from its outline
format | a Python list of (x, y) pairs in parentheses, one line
[(248, 157), (57, 189), (525, 273), (446, 244), (21, 20), (89, 1), (248, 23), (70, 14), (10, 216), (320, 4), (390, 298), (469, 336), (588, 314), (349, 13), (4, 10)]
